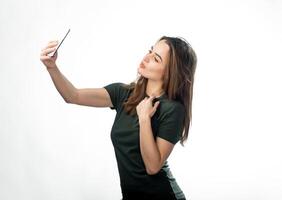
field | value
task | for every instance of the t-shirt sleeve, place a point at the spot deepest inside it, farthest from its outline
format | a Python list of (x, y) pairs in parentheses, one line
[(171, 123), (116, 92)]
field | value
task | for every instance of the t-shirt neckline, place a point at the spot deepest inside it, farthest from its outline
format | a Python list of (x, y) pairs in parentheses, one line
[(160, 97)]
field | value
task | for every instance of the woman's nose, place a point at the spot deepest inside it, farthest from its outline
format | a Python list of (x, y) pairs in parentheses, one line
[(147, 58)]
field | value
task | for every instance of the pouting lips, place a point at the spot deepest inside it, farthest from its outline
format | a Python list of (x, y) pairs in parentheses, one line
[(142, 65)]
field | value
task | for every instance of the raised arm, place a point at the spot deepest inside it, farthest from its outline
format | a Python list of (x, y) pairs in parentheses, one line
[(97, 97)]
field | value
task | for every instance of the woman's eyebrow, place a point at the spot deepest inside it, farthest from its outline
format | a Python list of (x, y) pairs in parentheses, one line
[(157, 54)]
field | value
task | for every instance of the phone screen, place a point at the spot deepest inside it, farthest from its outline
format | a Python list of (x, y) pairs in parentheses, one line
[(52, 54)]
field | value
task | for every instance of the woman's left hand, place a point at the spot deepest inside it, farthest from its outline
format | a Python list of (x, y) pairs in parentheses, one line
[(145, 109)]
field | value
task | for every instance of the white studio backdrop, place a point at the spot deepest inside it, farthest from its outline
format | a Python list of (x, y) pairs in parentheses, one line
[(51, 150)]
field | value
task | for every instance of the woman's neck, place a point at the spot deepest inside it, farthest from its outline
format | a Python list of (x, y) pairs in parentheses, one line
[(154, 88)]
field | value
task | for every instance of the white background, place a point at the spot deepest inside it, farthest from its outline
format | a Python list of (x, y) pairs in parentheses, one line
[(52, 150)]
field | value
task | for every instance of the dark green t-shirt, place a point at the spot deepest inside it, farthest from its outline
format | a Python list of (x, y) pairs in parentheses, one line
[(166, 123)]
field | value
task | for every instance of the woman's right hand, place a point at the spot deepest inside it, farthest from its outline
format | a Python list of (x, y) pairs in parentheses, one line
[(48, 61)]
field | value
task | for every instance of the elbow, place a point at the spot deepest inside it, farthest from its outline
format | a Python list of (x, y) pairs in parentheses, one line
[(72, 100), (67, 101), (153, 168), (152, 171)]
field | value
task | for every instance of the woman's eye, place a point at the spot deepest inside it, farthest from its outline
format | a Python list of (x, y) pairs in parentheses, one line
[(150, 51)]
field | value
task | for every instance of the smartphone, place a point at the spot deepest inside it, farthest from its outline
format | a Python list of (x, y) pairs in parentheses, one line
[(53, 53)]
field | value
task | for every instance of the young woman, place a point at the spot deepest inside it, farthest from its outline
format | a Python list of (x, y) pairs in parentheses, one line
[(153, 113)]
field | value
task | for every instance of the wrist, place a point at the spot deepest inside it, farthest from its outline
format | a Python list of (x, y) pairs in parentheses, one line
[(52, 68), (144, 118)]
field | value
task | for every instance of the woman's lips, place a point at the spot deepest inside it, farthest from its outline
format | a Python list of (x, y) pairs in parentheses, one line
[(142, 65)]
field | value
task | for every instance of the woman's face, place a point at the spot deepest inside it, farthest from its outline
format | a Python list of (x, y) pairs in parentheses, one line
[(154, 62)]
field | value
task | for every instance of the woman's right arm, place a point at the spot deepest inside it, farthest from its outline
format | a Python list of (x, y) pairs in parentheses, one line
[(97, 97)]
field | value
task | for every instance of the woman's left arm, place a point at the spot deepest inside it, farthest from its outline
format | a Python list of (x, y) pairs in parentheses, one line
[(154, 153)]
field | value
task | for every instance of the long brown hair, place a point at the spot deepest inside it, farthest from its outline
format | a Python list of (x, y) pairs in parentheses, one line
[(178, 80)]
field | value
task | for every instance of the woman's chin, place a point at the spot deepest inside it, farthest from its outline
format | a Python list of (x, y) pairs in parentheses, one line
[(140, 70)]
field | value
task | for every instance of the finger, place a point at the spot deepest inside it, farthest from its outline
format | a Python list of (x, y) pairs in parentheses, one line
[(52, 43), (151, 97), (49, 47), (156, 105), (45, 58), (155, 108), (47, 51)]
